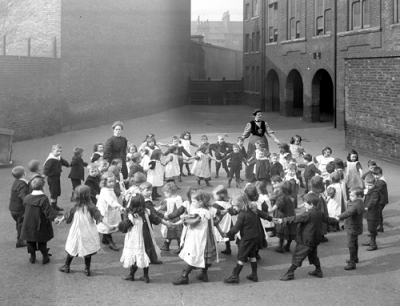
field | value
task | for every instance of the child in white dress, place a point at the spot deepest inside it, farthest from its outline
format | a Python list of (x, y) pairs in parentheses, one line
[(201, 166), (155, 172), (222, 203), (83, 239), (336, 198), (172, 171), (186, 143)]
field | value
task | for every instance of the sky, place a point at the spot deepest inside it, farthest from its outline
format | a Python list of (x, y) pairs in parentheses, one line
[(213, 9)]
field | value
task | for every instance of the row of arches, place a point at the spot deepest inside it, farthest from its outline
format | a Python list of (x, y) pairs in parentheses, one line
[(322, 105)]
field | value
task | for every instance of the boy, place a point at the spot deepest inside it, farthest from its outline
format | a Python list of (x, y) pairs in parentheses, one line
[(19, 190), (308, 236), (309, 171), (353, 224), (181, 151), (93, 181), (77, 173), (371, 165), (276, 166), (221, 148), (135, 165), (34, 168), (381, 183), (371, 201), (52, 169), (242, 150), (236, 160)]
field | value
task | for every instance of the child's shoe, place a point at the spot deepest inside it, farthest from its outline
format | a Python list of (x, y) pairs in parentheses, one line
[(233, 279), (20, 243), (64, 268), (32, 259), (351, 266), (145, 278), (203, 277), (288, 276), (252, 277), (113, 246), (372, 248), (182, 280), (367, 243), (131, 276), (165, 246), (238, 186), (279, 249), (316, 273)]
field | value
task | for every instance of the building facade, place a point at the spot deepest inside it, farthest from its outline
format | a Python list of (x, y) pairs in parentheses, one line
[(327, 60)]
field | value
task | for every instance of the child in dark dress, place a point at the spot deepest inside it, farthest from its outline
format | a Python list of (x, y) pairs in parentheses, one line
[(308, 235), (77, 173), (93, 181), (235, 165)]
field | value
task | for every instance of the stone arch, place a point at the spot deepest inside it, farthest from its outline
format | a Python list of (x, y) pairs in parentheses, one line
[(272, 92), (322, 96), (294, 94)]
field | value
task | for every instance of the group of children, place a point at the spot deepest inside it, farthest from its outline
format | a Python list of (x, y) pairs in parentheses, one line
[(108, 202)]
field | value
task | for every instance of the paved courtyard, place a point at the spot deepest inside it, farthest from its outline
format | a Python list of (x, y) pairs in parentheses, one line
[(376, 281)]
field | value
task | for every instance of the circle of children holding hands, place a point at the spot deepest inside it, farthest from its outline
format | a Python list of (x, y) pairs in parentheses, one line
[(123, 181)]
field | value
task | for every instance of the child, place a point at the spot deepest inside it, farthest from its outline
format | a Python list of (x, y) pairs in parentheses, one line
[(147, 150), (186, 142), (336, 198), (140, 247), (222, 203), (308, 237), (98, 152), (291, 177), (371, 201), (323, 160), (34, 168), (52, 169), (172, 170), (119, 187), (204, 140), (309, 171), (201, 167), (93, 181), (180, 150), (318, 187), (235, 164), (248, 225), (145, 189), (83, 239), (371, 165), (221, 148), (381, 183), (296, 149), (134, 186), (171, 204), (276, 166), (155, 172), (284, 154), (77, 173), (353, 171), (109, 207), (19, 190), (262, 169), (353, 224), (102, 164), (242, 150), (36, 228), (264, 204), (134, 166), (284, 208), (199, 245)]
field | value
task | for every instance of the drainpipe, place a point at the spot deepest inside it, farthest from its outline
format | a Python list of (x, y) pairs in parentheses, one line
[(262, 54), (335, 68)]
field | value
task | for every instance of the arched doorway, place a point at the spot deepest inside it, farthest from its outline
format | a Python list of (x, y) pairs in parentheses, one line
[(294, 89), (322, 95), (272, 95)]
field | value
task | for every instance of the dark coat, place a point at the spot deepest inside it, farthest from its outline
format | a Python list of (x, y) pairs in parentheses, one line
[(19, 190), (353, 217), (277, 169), (220, 149), (381, 184), (77, 168), (248, 224), (371, 201), (310, 170), (309, 226), (115, 147), (37, 219), (134, 168), (52, 167), (94, 184)]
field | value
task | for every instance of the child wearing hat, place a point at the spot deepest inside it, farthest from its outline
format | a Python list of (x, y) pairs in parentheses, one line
[(372, 211), (308, 236)]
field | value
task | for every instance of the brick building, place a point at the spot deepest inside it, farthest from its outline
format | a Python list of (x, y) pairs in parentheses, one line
[(296, 65), (78, 63), (224, 33)]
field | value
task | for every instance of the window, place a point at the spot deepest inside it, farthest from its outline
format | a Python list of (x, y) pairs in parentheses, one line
[(253, 79), (360, 14), (272, 20), (247, 43), (294, 19), (323, 17), (247, 12), (253, 42), (255, 11), (396, 11), (247, 86), (258, 79), (258, 41)]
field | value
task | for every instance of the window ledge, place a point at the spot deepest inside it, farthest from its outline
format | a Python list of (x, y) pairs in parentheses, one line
[(247, 53), (257, 52), (292, 41), (395, 26), (272, 43), (360, 31), (321, 36), (255, 17)]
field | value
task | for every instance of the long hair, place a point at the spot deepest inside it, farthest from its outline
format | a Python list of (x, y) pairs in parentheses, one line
[(351, 153), (252, 193), (203, 196), (191, 190), (221, 192), (242, 202), (137, 205), (82, 196)]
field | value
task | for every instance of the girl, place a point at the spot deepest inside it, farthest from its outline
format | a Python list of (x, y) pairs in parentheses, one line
[(171, 203), (186, 142), (172, 171), (119, 187), (155, 172), (323, 160), (201, 167), (247, 223), (199, 247), (284, 208), (264, 204), (353, 171), (147, 149), (77, 173), (103, 166), (291, 177), (276, 182), (284, 155), (296, 149), (336, 198), (98, 152), (262, 169), (134, 183), (317, 186), (109, 207), (222, 203), (83, 239), (131, 150), (140, 247)]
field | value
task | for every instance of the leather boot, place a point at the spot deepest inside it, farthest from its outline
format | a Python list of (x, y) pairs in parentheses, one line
[(145, 278), (46, 255), (20, 243), (66, 266), (317, 272), (112, 245), (87, 265), (165, 246), (183, 279), (253, 276), (234, 278), (203, 275), (227, 250), (353, 258), (32, 259), (229, 183), (373, 246), (131, 275)]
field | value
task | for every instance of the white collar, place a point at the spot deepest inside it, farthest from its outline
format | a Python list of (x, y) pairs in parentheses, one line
[(37, 192)]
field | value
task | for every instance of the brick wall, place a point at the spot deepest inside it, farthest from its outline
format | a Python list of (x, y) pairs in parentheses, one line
[(372, 98), (29, 96), (122, 60)]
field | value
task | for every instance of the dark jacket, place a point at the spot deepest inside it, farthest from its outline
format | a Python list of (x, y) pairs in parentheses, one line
[(115, 147), (37, 219), (220, 149), (309, 226), (77, 168), (277, 169), (52, 167), (371, 201), (19, 190), (353, 217), (310, 170), (236, 159), (381, 184), (134, 168), (247, 223), (285, 206), (94, 184)]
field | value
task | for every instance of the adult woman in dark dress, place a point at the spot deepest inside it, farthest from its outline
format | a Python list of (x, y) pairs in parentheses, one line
[(257, 128), (116, 147)]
